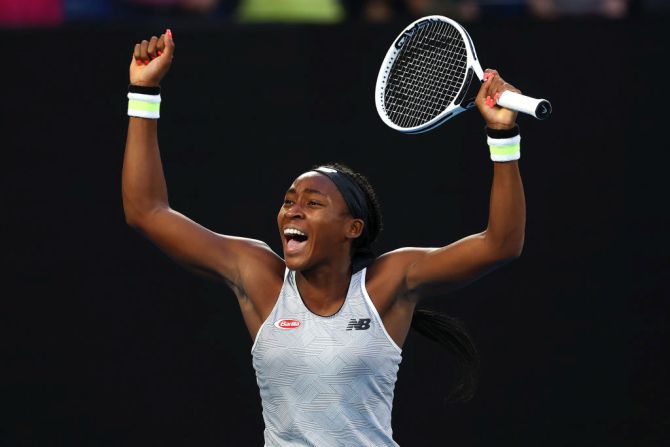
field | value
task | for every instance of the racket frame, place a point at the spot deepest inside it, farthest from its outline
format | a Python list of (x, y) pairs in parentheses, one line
[(538, 108), (456, 106)]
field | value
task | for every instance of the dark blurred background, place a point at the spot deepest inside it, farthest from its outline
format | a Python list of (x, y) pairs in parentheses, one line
[(105, 342)]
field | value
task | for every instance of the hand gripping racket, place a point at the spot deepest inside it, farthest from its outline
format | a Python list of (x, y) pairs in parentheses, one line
[(427, 73)]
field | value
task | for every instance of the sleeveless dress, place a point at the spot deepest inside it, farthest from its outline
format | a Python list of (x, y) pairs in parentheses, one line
[(326, 381)]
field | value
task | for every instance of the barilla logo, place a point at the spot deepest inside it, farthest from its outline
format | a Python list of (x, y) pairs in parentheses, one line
[(287, 324)]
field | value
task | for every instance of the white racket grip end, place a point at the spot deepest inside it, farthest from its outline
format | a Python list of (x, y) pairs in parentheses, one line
[(539, 108)]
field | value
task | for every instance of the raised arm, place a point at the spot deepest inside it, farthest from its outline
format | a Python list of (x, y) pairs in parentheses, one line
[(442, 269), (238, 261)]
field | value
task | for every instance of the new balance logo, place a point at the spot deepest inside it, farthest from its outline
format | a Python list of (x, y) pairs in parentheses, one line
[(360, 325)]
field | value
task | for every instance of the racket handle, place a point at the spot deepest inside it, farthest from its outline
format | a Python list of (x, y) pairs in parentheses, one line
[(539, 108)]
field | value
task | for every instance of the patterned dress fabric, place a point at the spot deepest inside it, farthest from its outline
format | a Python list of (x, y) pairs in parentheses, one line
[(326, 381)]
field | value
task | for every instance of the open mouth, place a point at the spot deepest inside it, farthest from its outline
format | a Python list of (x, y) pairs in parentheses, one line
[(295, 239)]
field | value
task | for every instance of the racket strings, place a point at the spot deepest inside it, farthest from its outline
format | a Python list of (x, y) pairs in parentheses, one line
[(427, 75)]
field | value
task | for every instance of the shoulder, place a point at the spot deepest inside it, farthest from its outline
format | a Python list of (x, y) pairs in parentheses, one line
[(386, 283), (258, 250), (261, 279), (396, 263), (261, 270), (386, 277)]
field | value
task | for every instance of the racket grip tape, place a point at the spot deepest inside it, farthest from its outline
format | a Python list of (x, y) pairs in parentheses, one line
[(539, 108)]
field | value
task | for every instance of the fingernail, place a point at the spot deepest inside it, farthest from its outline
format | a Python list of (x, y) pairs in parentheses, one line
[(487, 76), (146, 62), (489, 101), (160, 53), (168, 32), (139, 62), (497, 96)]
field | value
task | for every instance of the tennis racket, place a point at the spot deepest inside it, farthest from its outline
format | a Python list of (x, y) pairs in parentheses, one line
[(426, 76)]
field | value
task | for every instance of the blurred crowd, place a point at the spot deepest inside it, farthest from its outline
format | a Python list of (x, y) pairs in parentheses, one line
[(17, 13)]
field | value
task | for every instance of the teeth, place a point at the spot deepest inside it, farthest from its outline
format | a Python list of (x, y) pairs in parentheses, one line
[(294, 231)]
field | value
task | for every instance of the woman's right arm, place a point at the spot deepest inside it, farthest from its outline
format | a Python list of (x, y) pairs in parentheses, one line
[(145, 199)]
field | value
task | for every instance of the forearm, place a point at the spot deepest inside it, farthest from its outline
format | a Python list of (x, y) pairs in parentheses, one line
[(507, 210), (143, 183)]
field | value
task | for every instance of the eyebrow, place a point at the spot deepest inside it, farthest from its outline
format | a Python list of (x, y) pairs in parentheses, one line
[(308, 190)]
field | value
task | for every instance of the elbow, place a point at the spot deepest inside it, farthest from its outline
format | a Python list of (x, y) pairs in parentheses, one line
[(130, 209), (514, 252), (130, 213), (508, 249), (134, 217), (140, 221), (138, 212), (514, 249), (132, 220)]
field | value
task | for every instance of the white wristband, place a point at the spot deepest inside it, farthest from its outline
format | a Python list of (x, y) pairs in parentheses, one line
[(505, 149), (144, 106)]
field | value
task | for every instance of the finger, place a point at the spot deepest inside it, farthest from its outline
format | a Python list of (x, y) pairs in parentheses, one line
[(169, 44), (484, 89), (160, 45), (495, 80), (136, 54), (489, 74), (144, 53), (151, 48), (495, 86)]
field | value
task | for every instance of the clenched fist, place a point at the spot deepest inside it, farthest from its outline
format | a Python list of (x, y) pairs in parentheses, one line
[(496, 117), (151, 60)]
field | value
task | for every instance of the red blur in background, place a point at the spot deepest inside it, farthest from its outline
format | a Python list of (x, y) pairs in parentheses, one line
[(31, 12)]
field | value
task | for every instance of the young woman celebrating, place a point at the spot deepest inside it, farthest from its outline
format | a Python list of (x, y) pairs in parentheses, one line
[(329, 318)]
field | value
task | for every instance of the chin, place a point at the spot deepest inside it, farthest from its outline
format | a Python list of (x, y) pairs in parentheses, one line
[(300, 263), (301, 260), (295, 262)]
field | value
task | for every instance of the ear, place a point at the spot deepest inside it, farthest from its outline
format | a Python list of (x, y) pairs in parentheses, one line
[(355, 228)]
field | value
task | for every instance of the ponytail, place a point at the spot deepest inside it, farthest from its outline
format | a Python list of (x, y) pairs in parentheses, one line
[(451, 334), (443, 329)]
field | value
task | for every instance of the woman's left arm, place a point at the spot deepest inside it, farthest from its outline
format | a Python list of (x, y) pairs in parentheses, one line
[(443, 269)]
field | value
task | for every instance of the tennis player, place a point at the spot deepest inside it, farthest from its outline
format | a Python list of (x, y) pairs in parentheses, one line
[(328, 318)]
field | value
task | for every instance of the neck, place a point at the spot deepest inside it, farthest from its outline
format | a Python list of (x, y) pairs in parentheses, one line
[(324, 288)]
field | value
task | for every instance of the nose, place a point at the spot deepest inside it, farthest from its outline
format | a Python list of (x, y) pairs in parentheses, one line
[(295, 212)]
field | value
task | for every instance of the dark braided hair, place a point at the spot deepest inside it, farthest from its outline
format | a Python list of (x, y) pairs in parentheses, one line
[(447, 331)]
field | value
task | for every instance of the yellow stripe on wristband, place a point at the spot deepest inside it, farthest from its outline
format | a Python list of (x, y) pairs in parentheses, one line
[(144, 106), (505, 153), (505, 150), (134, 104)]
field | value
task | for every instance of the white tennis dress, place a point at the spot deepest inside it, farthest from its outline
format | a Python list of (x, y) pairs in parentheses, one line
[(326, 381)]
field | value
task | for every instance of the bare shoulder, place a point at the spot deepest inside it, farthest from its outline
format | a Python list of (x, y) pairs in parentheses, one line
[(386, 277), (386, 283), (394, 264), (261, 275), (261, 270)]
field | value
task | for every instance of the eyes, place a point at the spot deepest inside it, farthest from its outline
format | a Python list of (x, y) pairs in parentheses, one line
[(309, 203)]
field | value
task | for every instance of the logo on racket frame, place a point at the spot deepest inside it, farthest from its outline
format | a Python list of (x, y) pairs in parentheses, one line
[(407, 34)]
